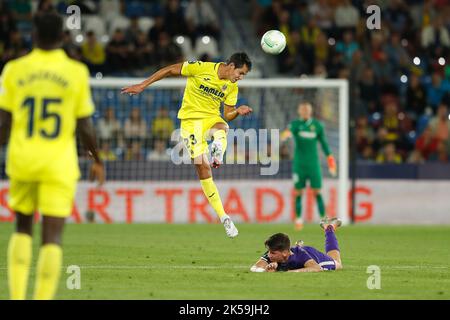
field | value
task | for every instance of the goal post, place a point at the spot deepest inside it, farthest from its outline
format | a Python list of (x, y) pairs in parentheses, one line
[(274, 101)]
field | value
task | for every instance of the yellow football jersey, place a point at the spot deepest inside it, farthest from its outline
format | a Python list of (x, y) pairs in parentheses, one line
[(45, 91), (204, 91)]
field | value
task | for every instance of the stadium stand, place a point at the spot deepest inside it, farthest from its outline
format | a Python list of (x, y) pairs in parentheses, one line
[(399, 76)]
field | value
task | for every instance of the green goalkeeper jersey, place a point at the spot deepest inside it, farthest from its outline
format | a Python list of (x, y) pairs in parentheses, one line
[(306, 134)]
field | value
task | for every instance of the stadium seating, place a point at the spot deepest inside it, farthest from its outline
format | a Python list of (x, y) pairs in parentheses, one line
[(206, 45), (145, 23), (120, 22), (186, 46), (94, 23)]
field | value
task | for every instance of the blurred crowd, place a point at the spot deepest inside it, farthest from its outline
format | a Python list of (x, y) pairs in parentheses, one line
[(118, 37), (399, 75), (135, 138), (122, 38)]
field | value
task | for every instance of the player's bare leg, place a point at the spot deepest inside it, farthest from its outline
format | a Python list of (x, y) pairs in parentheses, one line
[(50, 258), (298, 209), (219, 145), (24, 223), (331, 243), (52, 229), (212, 194), (202, 167), (19, 256)]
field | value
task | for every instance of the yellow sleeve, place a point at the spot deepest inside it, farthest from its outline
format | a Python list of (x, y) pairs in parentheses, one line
[(85, 106), (192, 68), (6, 89), (231, 98)]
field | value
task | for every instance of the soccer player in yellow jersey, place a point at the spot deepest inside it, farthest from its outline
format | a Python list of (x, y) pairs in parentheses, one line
[(208, 86), (44, 99)]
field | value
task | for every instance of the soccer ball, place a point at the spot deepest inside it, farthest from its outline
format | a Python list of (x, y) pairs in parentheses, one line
[(273, 42)]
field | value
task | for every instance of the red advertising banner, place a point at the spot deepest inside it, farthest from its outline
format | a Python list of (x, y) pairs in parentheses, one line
[(252, 201)]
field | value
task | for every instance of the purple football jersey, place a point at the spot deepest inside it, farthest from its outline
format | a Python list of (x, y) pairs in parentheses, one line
[(302, 254)]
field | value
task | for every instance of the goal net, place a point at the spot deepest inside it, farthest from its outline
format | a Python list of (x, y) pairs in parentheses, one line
[(144, 154)]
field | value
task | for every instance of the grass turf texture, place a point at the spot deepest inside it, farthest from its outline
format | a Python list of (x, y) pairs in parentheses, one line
[(160, 261)]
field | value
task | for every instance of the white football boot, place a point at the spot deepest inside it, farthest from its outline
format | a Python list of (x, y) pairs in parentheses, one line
[(230, 228), (216, 154)]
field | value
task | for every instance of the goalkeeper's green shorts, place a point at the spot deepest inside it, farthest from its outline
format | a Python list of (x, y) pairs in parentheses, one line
[(302, 175)]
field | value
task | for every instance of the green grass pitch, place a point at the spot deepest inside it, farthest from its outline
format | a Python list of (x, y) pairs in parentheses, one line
[(161, 261)]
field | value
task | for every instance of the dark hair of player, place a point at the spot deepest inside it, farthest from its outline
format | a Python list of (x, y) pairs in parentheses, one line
[(239, 59), (48, 29), (278, 242)]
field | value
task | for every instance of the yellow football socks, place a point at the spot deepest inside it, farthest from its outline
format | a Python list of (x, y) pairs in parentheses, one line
[(48, 271), (212, 194), (19, 259)]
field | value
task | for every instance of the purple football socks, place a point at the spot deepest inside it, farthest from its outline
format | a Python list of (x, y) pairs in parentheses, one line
[(331, 242)]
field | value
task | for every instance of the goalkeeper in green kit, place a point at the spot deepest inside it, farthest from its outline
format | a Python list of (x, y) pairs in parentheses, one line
[(306, 132)]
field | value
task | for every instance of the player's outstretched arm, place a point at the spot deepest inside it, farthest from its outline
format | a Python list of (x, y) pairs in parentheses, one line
[(259, 266), (86, 130), (5, 126), (230, 113), (310, 266), (169, 71)]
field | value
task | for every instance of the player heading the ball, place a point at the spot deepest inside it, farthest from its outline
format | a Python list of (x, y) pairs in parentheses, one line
[(208, 86)]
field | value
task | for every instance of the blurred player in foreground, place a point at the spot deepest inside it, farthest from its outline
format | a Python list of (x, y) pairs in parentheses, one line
[(282, 257), (208, 85), (45, 97), (306, 132)]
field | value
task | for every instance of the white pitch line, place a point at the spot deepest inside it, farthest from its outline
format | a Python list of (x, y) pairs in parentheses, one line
[(241, 267), (165, 267)]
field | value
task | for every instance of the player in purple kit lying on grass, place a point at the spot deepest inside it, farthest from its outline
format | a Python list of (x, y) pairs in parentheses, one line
[(282, 257)]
